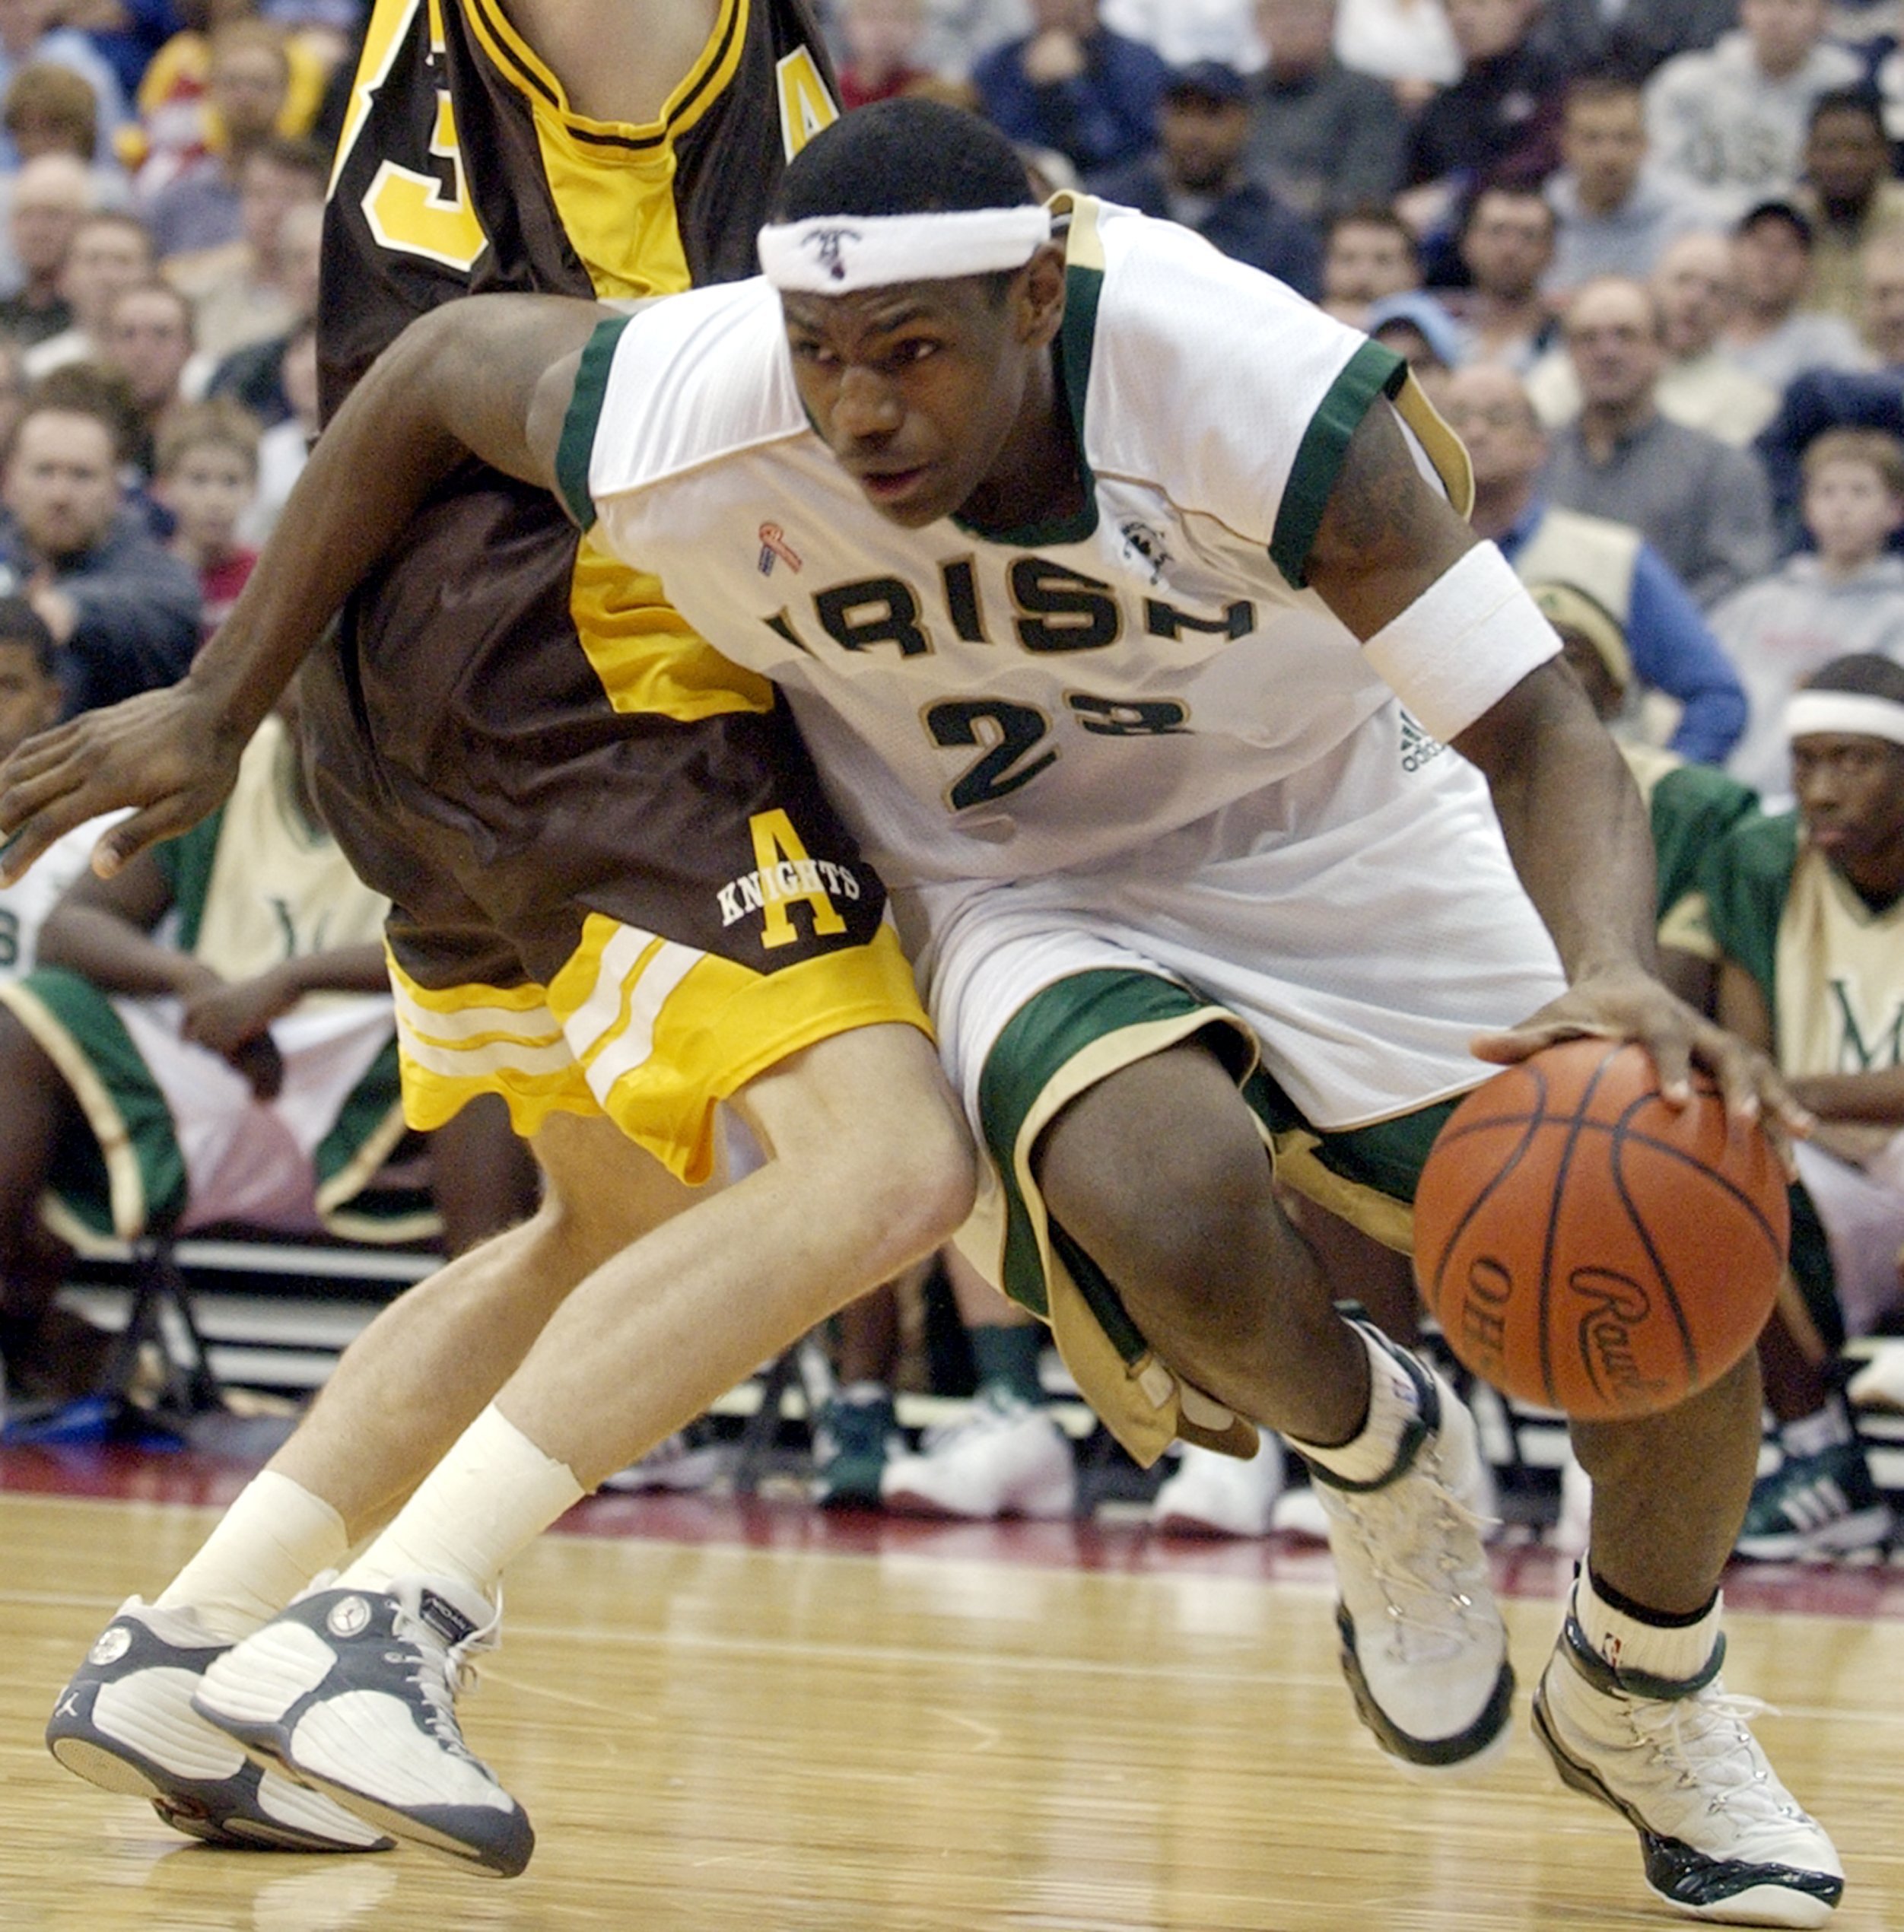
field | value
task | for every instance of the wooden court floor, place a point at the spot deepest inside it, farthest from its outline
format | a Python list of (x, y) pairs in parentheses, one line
[(765, 1724)]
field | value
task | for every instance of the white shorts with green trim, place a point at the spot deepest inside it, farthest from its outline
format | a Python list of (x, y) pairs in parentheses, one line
[(1351, 931), (174, 1138)]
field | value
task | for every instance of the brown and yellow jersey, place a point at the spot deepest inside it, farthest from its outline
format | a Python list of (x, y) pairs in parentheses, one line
[(463, 169)]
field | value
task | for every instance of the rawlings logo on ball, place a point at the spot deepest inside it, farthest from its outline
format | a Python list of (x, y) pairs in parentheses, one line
[(1617, 1307)]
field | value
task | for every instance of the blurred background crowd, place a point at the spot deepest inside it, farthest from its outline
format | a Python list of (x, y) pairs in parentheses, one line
[(1647, 256)]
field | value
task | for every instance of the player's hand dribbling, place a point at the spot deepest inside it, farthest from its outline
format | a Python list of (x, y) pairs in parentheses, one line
[(170, 753), (1634, 1005)]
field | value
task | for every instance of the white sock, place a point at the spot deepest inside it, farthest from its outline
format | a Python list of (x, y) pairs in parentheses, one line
[(268, 1545), (1394, 1404), (494, 1494), (1812, 1434), (1675, 1653)]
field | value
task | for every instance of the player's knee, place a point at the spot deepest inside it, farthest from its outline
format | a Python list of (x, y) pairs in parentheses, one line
[(1204, 1212), (919, 1184)]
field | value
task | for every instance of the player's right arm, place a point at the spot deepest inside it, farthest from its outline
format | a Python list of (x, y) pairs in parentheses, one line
[(489, 377)]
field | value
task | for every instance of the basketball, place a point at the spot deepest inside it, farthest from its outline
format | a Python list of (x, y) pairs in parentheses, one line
[(1587, 1247)]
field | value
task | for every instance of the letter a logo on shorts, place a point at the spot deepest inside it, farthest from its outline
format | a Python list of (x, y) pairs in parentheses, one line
[(788, 877)]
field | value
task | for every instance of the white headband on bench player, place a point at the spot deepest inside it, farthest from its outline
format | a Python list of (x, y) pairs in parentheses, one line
[(1843, 714), (839, 254)]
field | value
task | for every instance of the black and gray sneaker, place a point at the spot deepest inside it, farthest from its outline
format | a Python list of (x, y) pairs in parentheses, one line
[(125, 1723), (353, 1692), (1720, 1836)]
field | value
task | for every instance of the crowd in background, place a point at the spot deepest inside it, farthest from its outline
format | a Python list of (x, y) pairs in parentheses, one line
[(1678, 227), (1648, 259)]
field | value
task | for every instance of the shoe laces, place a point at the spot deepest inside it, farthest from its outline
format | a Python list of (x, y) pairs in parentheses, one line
[(442, 1672), (1411, 1546), (1704, 1743)]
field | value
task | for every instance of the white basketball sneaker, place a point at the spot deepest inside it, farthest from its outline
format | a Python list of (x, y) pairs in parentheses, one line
[(1007, 1458), (1423, 1645), (354, 1691), (125, 1722), (1720, 1837), (1210, 1495)]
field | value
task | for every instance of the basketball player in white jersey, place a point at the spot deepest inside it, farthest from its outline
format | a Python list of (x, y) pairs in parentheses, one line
[(1132, 626)]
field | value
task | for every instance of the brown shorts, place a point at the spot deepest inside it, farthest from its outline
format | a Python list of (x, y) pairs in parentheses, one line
[(616, 885)]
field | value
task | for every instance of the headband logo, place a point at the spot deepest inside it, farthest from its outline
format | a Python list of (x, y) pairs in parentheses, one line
[(828, 244)]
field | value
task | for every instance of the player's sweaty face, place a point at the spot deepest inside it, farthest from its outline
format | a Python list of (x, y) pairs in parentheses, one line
[(916, 388)]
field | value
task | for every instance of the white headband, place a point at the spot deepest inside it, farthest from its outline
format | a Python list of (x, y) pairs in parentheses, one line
[(838, 254), (1843, 714)]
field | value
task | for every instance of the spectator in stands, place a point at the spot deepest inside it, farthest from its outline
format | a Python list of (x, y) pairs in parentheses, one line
[(1846, 593), (1808, 911), (254, 375), (1634, 36), (1670, 647), (51, 197), (193, 202), (1367, 254), (124, 614), (1690, 807), (1418, 330), (109, 254), (1073, 85), (147, 340), (1408, 44), (1703, 505), (27, 35), (1506, 245), (1614, 214), (1322, 137), (960, 33), (1187, 31), (207, 476), (1768, 333), (1848, 194), (285, 446), (1499, 122), (1699, 385), (1195, 176), (157, 1084), (252, 289), (1819, 399), (1696, 286), (1730, 123), (880, 50), (30, 701), (49, 109)]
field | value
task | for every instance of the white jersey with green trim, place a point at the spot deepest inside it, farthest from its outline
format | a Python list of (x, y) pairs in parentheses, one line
[(993, 705)]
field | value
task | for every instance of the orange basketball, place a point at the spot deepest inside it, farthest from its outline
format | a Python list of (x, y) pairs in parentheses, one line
[(1585, 1247)]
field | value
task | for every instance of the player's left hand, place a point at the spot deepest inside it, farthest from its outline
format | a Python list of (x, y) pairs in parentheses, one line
[(1632, 1005)]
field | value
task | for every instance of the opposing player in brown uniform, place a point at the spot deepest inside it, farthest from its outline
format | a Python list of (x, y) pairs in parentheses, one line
[(620, 899)]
